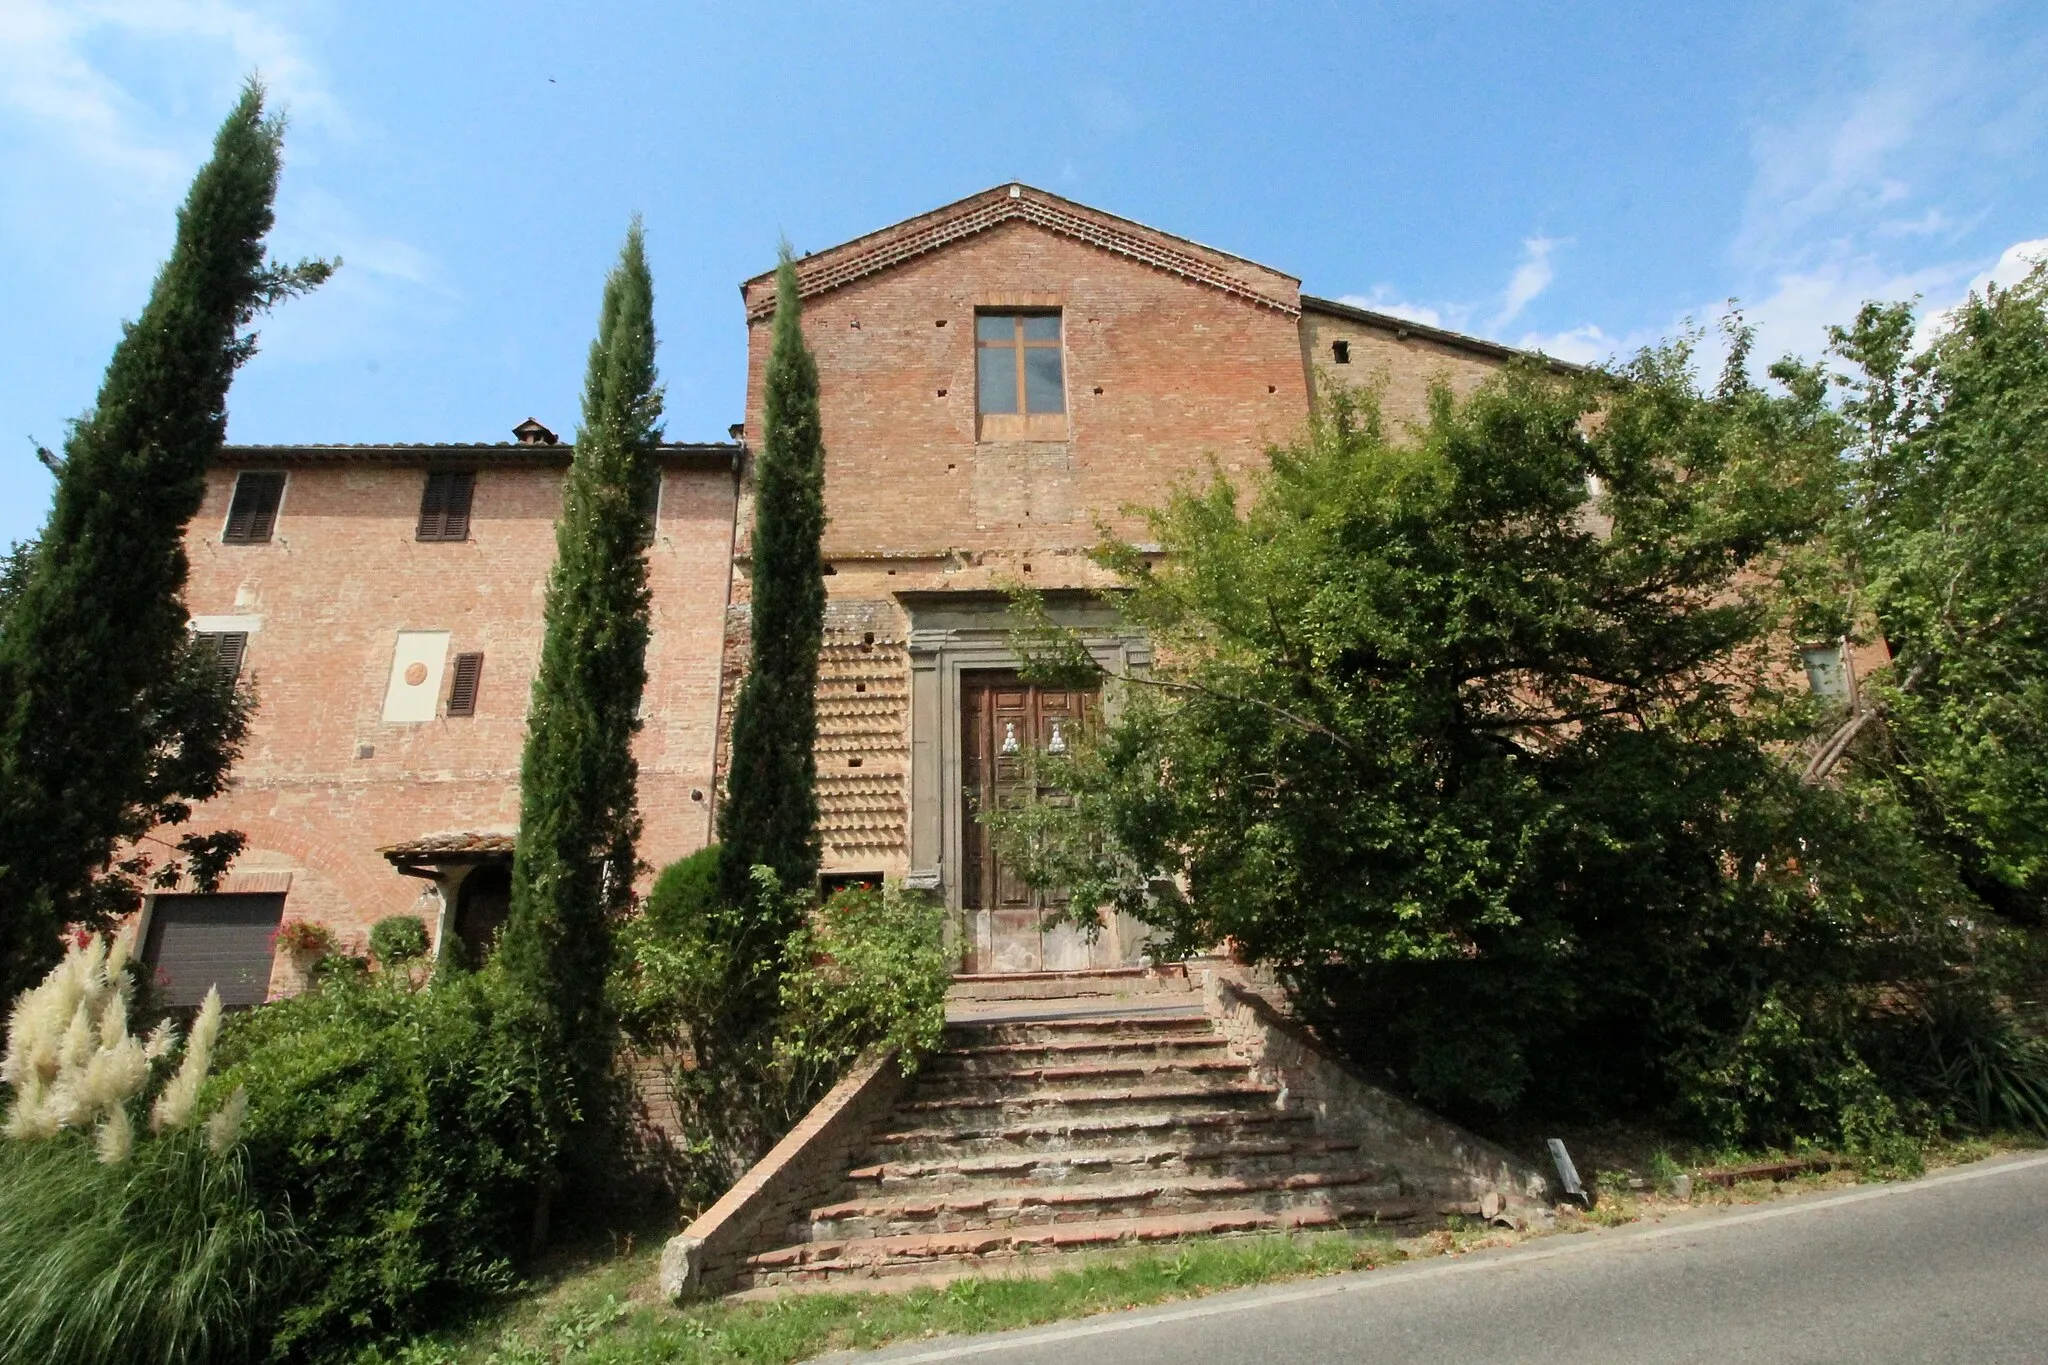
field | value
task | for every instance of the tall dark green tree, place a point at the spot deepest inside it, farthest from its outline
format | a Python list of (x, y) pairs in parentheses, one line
[(573, 869), (770, 815), (111, 723)]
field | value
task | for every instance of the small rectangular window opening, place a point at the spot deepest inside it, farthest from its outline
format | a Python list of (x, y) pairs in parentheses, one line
[(252, 514), (444, 504), (228, 647), (1340, 352), (1827, 671), (469, 671)]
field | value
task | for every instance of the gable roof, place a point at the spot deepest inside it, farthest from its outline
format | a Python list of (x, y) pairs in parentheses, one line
[(877, 251)]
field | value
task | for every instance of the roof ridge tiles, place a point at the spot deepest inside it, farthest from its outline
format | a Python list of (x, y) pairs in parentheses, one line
[(1123, 237)]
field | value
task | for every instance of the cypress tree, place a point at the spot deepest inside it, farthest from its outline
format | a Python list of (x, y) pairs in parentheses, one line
[(574, 864), (110, 721), (770, 815)]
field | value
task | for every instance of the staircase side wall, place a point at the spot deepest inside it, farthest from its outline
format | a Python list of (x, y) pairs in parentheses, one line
[(1436, 1159), (802, 1170)]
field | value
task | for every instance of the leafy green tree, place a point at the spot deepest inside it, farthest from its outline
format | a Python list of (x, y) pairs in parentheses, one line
[(572, 871), (112, 720), (1944, 539), (1470, 735), (770, 814)]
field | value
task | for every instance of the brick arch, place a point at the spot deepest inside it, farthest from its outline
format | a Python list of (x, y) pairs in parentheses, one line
[(325, 856)]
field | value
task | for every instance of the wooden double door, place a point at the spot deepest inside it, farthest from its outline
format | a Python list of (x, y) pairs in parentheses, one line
[(1008, 727)]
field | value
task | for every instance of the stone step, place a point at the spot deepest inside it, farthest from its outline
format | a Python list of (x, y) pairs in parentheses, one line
[(1009, 1057), (997, 1132), (1145, 1075), (1255, 1156), (1168, 1097), (1105, 1028), (998, 1248), (1342, 1191), (1108, 983)]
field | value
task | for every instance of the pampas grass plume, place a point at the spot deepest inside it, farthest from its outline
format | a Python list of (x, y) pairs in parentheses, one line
[(224, 1129), (179, 1102), (116, 1137)]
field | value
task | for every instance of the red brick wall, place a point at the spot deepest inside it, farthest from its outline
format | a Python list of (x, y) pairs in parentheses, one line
[(1185, 371), (342, 575), (1163, 374), (1402, 367)]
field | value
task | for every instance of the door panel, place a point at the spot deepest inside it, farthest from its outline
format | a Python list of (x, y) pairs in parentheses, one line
[(1005, 723)]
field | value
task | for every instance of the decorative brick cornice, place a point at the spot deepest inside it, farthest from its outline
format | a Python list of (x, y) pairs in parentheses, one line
[(832, 269)]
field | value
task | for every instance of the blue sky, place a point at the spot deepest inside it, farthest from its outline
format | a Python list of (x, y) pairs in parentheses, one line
[(1577, 176)]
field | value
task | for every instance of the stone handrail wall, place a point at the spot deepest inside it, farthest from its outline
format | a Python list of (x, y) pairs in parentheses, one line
[(1436, 1159), (802, 1170)]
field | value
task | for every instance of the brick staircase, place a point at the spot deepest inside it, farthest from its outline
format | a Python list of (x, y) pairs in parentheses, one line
[(1041, 1128)]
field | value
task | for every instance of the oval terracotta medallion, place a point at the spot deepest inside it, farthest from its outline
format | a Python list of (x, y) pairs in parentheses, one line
[(415, 674)]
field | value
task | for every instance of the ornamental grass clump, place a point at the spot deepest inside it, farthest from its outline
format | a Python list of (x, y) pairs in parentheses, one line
[(75, 1067), (119, 1241)]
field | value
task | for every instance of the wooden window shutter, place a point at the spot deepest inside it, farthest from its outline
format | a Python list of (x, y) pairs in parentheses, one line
[(228, 648), (461, 488), (252, 516), (469, 670), (444, 505)]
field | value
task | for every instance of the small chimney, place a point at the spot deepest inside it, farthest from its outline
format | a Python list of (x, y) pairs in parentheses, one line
[(532, 433), (738, 431)]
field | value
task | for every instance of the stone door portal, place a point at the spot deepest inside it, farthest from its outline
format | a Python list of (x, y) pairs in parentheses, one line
[(1006, 724)]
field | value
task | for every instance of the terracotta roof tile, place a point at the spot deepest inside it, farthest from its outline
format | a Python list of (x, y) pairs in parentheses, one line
[(469, 844)]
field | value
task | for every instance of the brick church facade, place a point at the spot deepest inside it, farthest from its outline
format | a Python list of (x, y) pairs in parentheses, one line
[(998, 378)]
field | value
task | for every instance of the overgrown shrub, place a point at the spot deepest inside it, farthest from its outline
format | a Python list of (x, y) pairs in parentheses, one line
[(868, 969), (404, 1129), (1477, 736), (1965, 1062), (398, 940), (865, 969)]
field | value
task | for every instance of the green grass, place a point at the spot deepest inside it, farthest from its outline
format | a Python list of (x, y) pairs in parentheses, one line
[(165, 1259), (591, 1320)]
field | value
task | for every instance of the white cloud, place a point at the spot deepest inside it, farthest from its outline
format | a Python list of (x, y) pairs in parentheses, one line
[(1587, 344), (113, 103), (1383, 300), (1933, 223), (314, 222), (1530, 279), (2012, 266), (1830, 164), (49, 81)]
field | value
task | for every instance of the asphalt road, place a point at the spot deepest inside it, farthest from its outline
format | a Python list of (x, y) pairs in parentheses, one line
[(1950, 1268)]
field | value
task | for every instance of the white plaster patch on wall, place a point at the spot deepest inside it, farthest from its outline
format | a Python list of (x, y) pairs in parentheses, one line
[(414, 693), (227, 625)]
